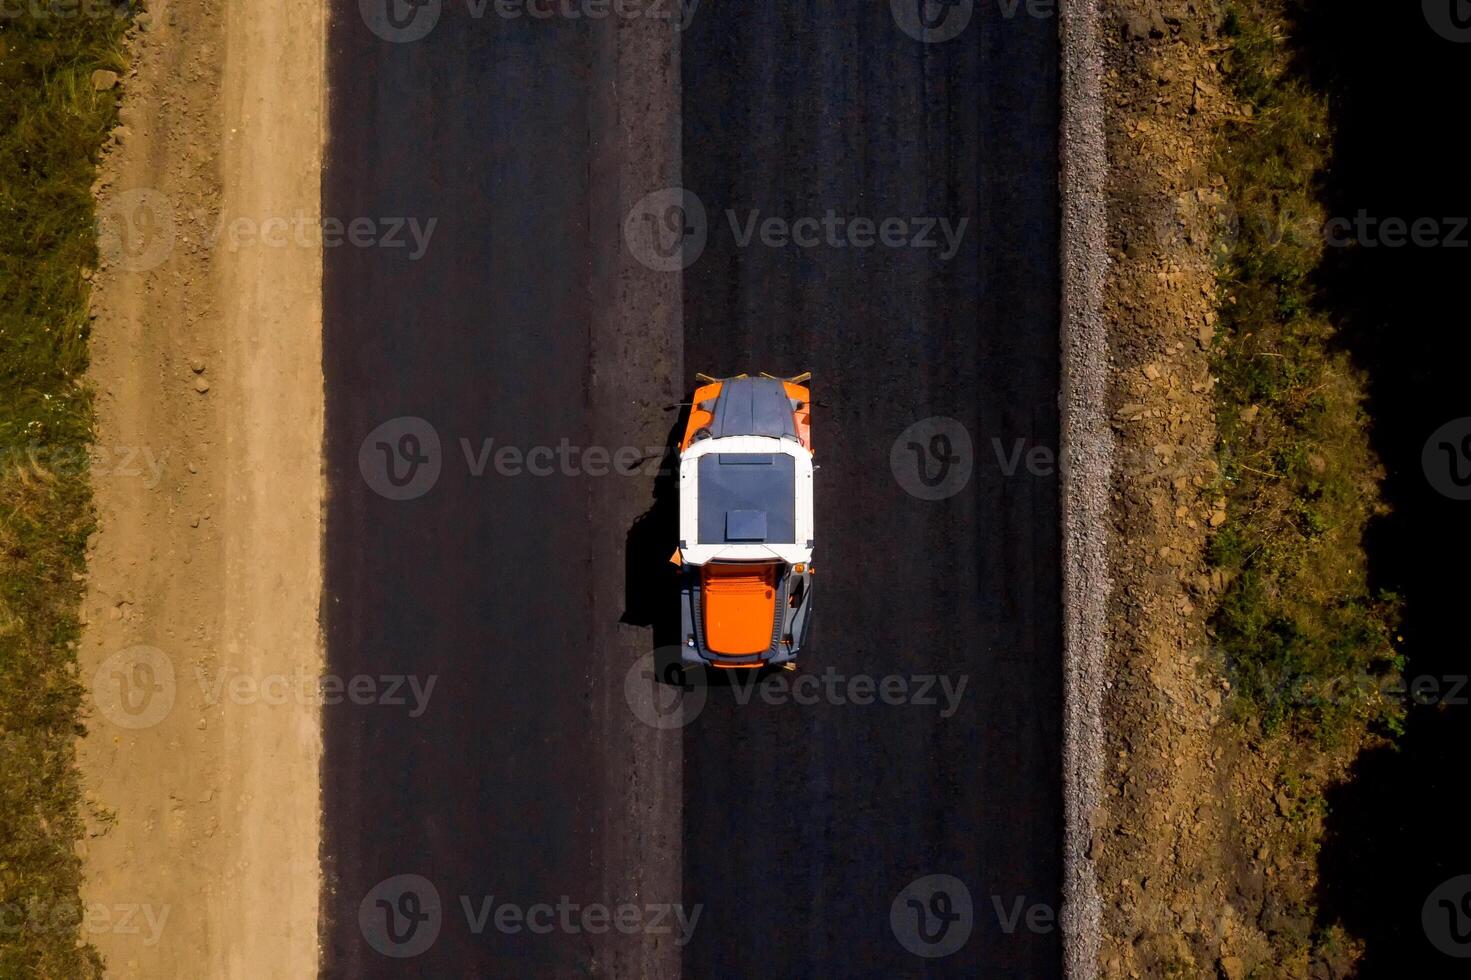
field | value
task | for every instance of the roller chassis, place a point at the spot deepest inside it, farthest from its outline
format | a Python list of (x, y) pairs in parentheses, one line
[(746, 524)]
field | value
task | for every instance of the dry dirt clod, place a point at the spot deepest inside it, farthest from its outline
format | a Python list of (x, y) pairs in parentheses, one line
[(103, 80)]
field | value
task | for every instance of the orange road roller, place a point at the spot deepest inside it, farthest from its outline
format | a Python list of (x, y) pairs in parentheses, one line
[(745, 522)]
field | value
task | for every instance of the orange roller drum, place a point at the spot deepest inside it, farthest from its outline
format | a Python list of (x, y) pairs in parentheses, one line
[(740, 604)]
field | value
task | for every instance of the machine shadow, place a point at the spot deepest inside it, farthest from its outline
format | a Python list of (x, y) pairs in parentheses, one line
[(650, 580)]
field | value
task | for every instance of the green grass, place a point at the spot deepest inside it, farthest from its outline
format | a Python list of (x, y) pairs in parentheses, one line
[(52, 125), (1302, 636)]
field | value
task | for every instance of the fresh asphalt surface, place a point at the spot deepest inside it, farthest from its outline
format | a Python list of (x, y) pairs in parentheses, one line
[(480, 581), (802, 823)]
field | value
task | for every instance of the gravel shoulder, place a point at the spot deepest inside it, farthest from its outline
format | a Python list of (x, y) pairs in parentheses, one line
[(1087, 462)]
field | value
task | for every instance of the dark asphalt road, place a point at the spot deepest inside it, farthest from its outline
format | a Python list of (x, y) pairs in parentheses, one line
[(802, 823), (527, 777)]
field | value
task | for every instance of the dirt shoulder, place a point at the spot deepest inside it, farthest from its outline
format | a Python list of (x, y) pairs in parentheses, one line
[(201, 636), (1166, 849), (1208, 832)]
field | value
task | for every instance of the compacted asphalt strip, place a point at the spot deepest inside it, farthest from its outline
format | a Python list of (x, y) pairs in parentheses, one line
[(905, 801), (928, 312)]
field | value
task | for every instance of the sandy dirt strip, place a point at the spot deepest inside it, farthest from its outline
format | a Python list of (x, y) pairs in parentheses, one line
[(202, 644)]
